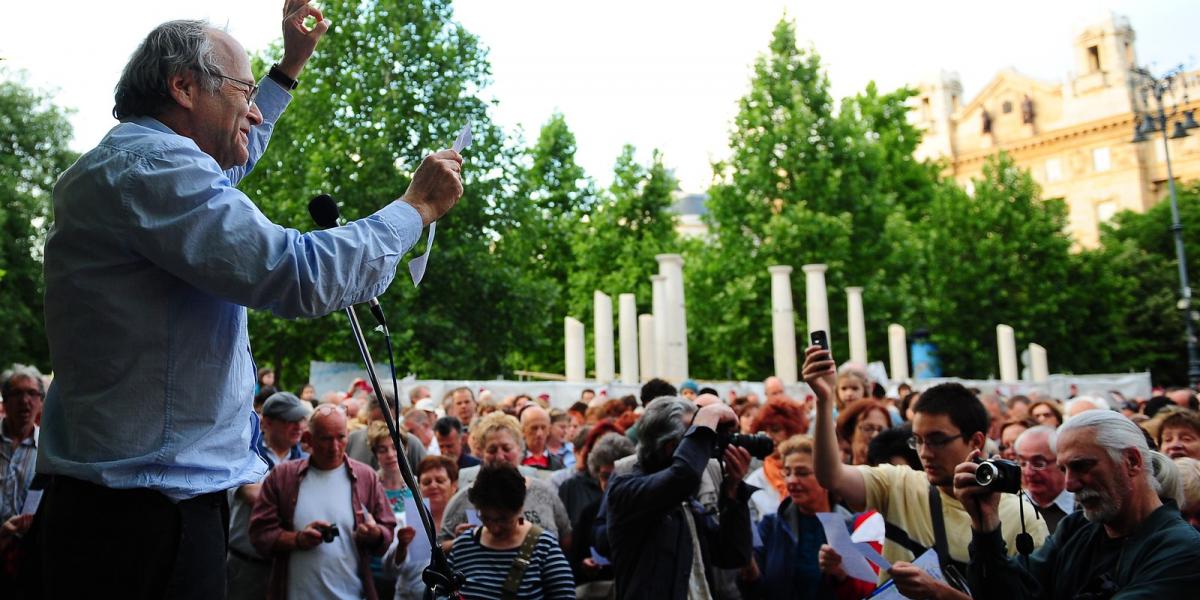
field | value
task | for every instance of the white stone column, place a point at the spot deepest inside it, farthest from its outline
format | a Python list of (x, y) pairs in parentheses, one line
[(816, 302), (783, 323), (658, 288), (602, 333), (1006, 346), (628, 323), (671, 266), (857, 325), (574, 349), (1039, 369), (898, 352), (646, 347)]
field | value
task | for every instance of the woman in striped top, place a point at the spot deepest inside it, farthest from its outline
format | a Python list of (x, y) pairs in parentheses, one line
[(486, 555)]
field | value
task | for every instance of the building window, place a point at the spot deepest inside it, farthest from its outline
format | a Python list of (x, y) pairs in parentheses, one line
[(1053, 170), (1105, 211), (1093, 53), (1101, 161), (1006, 107)]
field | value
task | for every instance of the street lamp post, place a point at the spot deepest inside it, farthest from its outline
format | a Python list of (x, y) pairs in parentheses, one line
[(1149, 119)]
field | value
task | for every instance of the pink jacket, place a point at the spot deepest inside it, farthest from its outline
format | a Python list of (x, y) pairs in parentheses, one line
[(276, 506)]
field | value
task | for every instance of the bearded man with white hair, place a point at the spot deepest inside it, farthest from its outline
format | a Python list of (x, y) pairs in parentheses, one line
[(1125, 543)]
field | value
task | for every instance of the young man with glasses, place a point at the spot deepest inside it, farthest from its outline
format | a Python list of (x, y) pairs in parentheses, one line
[(948, 425), (150, 265)]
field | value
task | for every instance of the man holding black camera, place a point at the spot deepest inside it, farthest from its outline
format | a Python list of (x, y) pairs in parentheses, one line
[(663, 544), (345, 509), (1125, 543), (949, 425)]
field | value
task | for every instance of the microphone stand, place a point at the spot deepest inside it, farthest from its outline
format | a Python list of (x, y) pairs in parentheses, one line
[(440, 579)]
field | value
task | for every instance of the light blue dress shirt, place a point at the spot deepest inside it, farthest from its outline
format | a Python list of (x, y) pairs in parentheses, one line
[(150, 263)]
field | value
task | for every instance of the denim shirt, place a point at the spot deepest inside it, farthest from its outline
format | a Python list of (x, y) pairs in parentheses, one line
[(149, 267)]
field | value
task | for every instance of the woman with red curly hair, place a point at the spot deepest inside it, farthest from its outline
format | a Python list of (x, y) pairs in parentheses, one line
[(780, 419)]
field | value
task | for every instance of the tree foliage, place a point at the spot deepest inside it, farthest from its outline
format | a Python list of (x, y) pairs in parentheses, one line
[(33, 151), (390, 83)]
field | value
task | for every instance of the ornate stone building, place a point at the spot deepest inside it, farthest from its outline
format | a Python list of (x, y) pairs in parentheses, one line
[(1076, 138)]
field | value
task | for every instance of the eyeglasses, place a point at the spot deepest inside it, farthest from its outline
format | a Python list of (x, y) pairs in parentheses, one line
[(867, 429), (1037, 464), (934, 442), (16, 394), (251, 87)]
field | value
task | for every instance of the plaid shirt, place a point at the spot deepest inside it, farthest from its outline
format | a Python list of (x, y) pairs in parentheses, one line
[(16, 471)]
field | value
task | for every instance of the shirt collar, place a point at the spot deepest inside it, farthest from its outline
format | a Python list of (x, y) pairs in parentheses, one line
[(29, 441), (152, 123), (1065, 501)]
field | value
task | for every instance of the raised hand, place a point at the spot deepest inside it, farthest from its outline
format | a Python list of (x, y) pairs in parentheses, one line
[(298, 40)]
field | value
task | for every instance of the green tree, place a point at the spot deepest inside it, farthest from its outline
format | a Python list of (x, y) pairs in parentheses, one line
[(33, 151), (997, 256), (614, 250), (803, 184), (390, 83), (556, 195)]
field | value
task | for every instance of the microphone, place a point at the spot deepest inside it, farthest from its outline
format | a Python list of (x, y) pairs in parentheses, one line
[(324, 212)]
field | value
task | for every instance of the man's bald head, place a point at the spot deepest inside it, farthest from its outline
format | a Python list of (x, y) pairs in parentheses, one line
[(535, 424)]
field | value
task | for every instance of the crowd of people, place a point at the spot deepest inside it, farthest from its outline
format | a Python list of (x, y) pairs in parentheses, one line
[(638, 497)]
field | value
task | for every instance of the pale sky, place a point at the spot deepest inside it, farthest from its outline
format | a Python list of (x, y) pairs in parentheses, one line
[(663, 74)]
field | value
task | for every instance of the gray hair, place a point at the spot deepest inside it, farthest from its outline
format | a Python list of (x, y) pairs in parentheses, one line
[(1115, 433), (170, 49), (662, 423), (1099, 403), (19, 371), (1050, 433), (610, 448), (1167, 482)]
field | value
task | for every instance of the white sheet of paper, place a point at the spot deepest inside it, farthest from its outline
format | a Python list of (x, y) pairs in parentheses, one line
[(32, 499), (853, 561), (416, 266), (927, 561), (600, 560), (473, 517), (419, 550), (868, 552)]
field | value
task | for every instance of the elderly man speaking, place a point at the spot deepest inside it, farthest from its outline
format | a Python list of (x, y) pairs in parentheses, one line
[(153, 257)]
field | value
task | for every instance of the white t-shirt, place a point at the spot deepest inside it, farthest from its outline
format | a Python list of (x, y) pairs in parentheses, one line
[(328, 570)]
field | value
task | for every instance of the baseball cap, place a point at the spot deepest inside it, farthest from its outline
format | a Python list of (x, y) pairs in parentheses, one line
[(429, 405), (285, 406)]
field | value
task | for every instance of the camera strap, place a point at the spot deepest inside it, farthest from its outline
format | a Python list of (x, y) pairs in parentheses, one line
[(512, 583)]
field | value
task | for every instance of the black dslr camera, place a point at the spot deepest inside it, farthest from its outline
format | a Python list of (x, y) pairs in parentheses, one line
[(759, 445), (329, 533), (998, 475)]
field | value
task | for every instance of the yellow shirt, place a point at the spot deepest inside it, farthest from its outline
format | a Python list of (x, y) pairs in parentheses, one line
[(901, 495)]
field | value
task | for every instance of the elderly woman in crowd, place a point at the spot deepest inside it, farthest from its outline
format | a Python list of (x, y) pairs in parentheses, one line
[(595, 580), (436, 475), (1046, 412), (1009, 432), (508, 551), (857, 424), (1189, 478), (497, 438), (787, 562), (780, 419)]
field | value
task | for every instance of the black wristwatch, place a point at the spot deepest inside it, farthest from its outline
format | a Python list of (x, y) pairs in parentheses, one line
[(283, 80)]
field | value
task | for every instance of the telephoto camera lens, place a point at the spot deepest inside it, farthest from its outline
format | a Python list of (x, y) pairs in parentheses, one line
[(759, 445)]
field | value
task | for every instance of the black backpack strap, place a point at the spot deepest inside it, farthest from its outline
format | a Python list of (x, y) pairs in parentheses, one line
[(900, 537), (952, 570), (513, 583)]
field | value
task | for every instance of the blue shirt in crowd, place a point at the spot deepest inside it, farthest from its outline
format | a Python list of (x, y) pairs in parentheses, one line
[(150, 263)]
